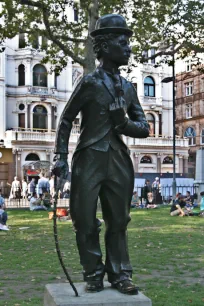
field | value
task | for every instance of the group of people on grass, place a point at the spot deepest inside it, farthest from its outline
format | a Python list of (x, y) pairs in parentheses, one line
[(39, 192), (183, 204), (150, 195), (147, 202)]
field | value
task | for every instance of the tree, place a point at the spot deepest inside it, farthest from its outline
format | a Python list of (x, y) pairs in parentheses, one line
[(153, 21)]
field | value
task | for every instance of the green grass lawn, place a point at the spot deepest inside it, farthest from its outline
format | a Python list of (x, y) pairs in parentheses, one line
[(167, 255)]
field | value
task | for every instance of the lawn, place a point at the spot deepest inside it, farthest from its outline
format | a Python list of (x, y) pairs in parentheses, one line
[(167, 255)]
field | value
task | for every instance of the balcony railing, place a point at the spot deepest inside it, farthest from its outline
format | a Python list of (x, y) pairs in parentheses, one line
[(38, 90), (156, 141), (42, 91), (20, 134)]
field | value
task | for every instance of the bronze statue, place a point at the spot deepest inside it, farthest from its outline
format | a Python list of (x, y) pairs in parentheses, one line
[(101, 165)]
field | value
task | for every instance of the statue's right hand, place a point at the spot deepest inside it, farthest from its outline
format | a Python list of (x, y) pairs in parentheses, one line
[(60, 168)]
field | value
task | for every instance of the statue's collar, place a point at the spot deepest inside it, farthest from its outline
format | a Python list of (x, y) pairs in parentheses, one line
[(107, 81)]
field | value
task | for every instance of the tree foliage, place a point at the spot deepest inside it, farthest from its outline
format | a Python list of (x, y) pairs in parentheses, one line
[(156, 24)]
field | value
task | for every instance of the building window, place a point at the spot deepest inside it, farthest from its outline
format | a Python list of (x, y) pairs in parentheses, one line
[(21, 121), (56, 78), (21, 107), (168, 160), (149, 87), (145, 54), (21, 75), (191, 135), (35, 42), (189, 88), (153, 53), (32, 157), (39, 76), (44, 43), (22, 42), (39, 117), (76, 15), (188, 65), (151, 120), (202, 136), (189, 110), (146, 160)]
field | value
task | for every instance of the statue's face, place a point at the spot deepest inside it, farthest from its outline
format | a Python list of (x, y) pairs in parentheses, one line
[(118, 50)]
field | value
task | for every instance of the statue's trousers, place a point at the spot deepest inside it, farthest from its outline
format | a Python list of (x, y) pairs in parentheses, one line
[(109, 176)]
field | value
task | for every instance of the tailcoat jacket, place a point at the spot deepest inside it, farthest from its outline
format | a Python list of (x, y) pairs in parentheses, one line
[(92, 97)]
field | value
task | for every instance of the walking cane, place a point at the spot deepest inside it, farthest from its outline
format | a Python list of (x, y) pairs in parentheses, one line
[(57, 188)]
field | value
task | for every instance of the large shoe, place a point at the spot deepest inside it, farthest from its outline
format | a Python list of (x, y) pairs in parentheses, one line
[(126, 287), (94, 286)]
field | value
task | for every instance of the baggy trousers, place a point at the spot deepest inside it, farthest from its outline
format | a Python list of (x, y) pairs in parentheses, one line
[(110, 176)]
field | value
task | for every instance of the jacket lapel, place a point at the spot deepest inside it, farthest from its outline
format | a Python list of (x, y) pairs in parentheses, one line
[(107, 83)]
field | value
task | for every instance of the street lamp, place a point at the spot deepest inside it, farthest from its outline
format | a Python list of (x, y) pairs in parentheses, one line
[(167, 80)]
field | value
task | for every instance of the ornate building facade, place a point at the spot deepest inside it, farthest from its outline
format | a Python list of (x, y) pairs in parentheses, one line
[(190, 108), (33, 98)]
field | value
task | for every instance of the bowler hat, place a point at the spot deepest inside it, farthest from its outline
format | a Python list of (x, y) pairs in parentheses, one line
[(111, 23)]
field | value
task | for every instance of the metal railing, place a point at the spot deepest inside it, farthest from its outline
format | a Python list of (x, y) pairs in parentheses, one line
[(166, 191), (16, 200), (166, 195)]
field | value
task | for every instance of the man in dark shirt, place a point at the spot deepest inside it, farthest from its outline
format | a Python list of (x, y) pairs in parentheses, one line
[(177, 207)]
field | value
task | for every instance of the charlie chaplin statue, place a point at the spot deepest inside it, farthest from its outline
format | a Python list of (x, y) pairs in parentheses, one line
[(101, 165)]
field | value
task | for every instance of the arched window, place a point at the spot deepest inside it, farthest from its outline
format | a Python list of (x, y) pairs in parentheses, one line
[(21, 75), (202, 136), (191, 134), (151, 120), (32, 157), (39, 76), (168, 160), (146, 160), (39, 117), (149, 87)]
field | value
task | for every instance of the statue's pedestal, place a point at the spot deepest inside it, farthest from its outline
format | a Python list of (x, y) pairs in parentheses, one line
[(63, 295)]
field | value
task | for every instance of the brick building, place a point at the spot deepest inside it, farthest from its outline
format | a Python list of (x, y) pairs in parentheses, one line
[(190, 109)]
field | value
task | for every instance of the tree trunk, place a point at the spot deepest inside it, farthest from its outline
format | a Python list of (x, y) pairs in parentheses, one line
[(89, 53)]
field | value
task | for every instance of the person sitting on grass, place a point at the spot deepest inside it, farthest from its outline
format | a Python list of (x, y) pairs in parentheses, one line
[(36, 203), (135, 200), (150, 201), (188, 199), (3, 214), (178, 207), (47, 199)]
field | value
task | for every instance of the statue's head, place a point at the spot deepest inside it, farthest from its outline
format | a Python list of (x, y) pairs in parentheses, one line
[(111, 39)]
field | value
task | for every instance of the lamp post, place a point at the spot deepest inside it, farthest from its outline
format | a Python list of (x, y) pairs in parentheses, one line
[(167, 80)]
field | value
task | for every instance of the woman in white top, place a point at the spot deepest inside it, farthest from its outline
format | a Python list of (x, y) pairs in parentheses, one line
[(24, 189)]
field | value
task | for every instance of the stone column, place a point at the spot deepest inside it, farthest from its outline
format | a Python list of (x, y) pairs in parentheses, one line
[(28, 73), (181, 164), (136, 161), (49, 121), (158, 162), (28, 116), (156, 128), (48, 155), (185, 164)]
